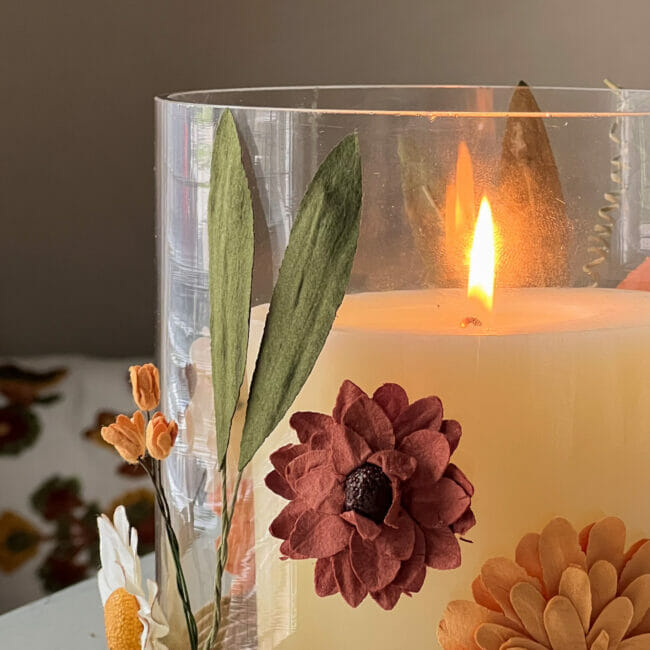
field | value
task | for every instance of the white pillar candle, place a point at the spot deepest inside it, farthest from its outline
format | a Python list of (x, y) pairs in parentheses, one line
[(552, 394)]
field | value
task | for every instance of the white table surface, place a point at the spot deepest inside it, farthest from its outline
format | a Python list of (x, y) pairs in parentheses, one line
[(71, 619)]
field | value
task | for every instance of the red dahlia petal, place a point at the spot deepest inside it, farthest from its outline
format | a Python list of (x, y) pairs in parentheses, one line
[(426, 413), (324, 579), (322, 490), (351, 588), (392, 516), (441, 505), (334, 502), (307, 424), (368, 419), (466, 521), (303, 464), (279, 485), (398, 542), (414, 575), (452, 431), (413, 571), (431, 450), (456, 474), (387, 598), (319, 535), (348, 393), (367, 528), (349, 450), (392, 398), (283, 456), (394, 464), (374, 569), (443, 550), (285, 522), (321, 441), (288, 552)]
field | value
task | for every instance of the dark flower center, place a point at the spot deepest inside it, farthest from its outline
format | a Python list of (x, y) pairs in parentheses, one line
[(368, 492)]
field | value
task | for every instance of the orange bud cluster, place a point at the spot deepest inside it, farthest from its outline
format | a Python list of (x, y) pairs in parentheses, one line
[(161, 436), (145, 384), (128, 435)]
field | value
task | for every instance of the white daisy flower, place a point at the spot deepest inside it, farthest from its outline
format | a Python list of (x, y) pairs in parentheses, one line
[(133, 621)]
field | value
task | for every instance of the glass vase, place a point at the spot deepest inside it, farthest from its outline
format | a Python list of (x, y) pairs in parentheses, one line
[(550, 385)]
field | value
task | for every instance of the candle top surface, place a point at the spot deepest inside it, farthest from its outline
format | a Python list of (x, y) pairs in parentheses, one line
[(516, 311)]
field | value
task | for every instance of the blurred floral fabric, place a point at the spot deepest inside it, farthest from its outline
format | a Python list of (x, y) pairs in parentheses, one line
[(57, 474)]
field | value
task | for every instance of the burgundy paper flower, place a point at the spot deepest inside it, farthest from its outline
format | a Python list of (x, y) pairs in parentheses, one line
[(373, 496)]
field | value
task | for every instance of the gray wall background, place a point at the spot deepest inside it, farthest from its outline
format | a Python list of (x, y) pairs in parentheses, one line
[(77, 78)]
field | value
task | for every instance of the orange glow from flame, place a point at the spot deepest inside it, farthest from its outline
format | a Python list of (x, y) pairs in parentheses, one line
[(480, 284), (459, 208)]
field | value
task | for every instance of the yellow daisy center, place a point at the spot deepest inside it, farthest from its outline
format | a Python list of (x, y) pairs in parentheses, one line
[(123, 627)]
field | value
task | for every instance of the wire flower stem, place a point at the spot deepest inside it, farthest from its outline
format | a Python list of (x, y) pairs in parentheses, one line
[(228, 512), (153, 472)]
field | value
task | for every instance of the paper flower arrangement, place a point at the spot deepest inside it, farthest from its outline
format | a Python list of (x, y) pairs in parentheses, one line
[(373, 496), (309, 289), (143, 439), (133, 620), (565, 591)]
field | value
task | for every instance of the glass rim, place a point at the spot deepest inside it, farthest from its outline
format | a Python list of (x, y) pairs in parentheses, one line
[(192, 98)]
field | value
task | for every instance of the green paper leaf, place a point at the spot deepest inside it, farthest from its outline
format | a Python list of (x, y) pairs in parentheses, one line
[(309, 290), (230, 235)]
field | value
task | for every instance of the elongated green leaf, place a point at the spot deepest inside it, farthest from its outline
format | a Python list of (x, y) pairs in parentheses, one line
[(230, 235), (309, 290)]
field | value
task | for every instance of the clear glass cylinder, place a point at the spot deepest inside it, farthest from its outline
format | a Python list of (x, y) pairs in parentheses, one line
[(550, 386)]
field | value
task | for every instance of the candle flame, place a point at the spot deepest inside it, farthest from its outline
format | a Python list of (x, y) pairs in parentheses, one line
[(480, 284)]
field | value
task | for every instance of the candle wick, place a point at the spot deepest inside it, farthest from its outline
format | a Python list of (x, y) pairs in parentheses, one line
[(470, 320)]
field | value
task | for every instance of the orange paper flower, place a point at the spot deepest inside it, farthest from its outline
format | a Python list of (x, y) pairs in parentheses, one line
[(145, 384), (565, 591), (161, 436), (638, 279), (127, 435)]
